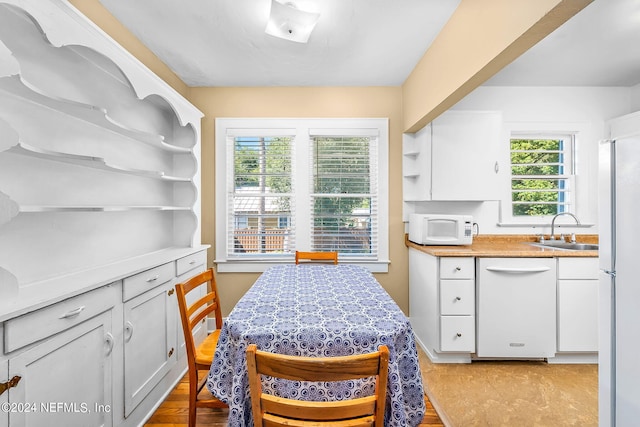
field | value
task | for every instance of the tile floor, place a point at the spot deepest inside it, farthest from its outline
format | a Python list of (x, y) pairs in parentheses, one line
[(512, 393)]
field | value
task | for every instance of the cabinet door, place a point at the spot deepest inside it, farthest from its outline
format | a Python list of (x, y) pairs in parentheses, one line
[(465, 152), (149, 342), (4, 397), (66, 380), (578, 315)]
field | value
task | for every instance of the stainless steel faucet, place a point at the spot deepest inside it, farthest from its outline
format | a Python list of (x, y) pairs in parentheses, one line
[(553, 221)]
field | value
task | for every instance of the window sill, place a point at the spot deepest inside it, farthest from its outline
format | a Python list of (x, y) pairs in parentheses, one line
[(233, 266)]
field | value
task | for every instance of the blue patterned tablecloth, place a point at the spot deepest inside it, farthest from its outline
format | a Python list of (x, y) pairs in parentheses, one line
[(318, 310)]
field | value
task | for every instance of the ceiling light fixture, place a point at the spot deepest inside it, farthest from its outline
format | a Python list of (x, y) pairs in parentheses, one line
[(288, 22)]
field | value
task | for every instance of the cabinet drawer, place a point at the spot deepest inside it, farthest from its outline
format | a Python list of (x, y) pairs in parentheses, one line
[(190, 262), (40, 324), (457, 268), (457, 297), (149, 279), (457, 333), (578, 268)]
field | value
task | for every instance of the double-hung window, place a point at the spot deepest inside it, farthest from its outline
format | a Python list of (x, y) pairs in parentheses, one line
[(542, 177), (301, 184)]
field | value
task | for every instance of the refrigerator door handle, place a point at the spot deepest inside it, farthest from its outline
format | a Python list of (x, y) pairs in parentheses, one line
[(611, 273)]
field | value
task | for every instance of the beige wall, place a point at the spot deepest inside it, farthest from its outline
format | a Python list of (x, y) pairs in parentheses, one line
[(480, 38), (305, 102)]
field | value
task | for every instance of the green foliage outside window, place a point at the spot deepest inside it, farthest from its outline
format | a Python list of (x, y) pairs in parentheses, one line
[(536, 169)]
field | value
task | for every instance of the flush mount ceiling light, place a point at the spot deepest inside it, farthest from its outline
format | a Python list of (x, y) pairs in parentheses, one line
[(288, 22)]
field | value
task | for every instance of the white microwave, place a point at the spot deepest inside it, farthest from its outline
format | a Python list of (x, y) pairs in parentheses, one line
[(435, 229)]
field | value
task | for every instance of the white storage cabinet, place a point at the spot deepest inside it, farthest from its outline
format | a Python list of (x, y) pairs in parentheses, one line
[(442, 305), (66, 364), (99, 185), (578, 306), (456, 144)]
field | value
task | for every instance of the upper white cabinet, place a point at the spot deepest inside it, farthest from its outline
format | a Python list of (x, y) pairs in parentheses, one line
[(98, 158), (456, 157)]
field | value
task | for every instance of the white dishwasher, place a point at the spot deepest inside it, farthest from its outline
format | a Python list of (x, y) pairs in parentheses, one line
[(516, 310)]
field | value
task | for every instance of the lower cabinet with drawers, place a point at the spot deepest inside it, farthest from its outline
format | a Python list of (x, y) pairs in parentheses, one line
[(442, 307), (105, 357)]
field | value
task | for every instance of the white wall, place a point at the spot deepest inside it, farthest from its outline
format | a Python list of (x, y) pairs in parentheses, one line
[(635, 98), (586, 107)]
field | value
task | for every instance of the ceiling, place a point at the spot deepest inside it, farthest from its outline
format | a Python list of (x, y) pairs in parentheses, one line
[(367, 43)]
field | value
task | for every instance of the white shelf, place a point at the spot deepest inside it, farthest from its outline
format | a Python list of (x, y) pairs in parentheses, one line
[(50, 208), (99, 158), (89, 161), (41, 105)]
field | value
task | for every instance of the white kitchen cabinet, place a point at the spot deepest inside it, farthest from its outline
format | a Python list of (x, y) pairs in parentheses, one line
[(186, 268), (149, 338), (456, 157), (4, 383), (66, 377), (442, 305), (577, 305)]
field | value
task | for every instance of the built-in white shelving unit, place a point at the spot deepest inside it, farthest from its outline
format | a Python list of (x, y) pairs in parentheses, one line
[(91, 172), (99, 219)]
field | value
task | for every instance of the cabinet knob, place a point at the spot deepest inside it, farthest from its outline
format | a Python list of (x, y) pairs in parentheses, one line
[(458, 298), (458, 334), (458, 268)]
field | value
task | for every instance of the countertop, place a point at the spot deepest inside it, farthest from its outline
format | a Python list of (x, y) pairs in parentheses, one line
[(505, 246)]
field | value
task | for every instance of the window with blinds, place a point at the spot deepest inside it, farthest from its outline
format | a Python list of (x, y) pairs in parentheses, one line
[(261, 221), (344, 194), (541, 175), (301, 184)]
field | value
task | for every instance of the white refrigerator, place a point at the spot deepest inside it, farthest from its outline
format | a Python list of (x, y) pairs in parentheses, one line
[(619, 296)]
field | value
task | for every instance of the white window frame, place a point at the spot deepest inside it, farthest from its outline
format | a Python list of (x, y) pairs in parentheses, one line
[(302, 128), (543, 131)]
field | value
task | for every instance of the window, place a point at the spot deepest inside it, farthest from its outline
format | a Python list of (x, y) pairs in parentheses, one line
[(541, 175), (301, 184)]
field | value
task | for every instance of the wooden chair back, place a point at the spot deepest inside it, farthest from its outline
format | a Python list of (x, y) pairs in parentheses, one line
[(317, 256), (269, 410), (199, 357)]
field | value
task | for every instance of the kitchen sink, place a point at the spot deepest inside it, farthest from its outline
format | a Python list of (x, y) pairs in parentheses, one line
[(559, 244)]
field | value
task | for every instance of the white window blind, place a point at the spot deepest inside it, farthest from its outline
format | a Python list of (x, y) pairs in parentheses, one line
[(344, 192), (261, 215)]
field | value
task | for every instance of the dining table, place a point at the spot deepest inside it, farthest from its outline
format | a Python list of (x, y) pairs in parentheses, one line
[(318, 310)]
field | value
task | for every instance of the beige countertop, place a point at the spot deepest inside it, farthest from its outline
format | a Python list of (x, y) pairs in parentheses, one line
[(505, 246)]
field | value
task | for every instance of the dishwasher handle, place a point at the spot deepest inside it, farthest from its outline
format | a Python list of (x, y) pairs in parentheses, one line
[(518, 270)]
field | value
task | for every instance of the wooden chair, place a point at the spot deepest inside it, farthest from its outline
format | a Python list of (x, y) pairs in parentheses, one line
[(317, 256), (200, 357), (277, 411)]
